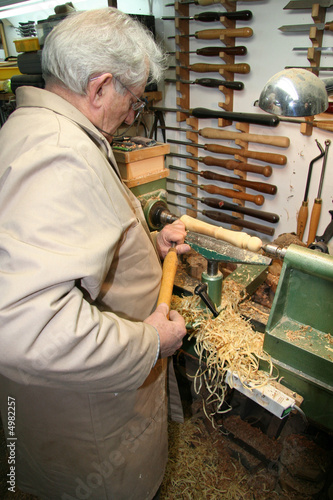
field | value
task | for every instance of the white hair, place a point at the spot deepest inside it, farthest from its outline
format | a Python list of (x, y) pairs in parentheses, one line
[(90, 43)]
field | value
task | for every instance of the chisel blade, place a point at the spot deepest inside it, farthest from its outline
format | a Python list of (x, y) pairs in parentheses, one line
[(316, 49), (293, 28), (307, 4), (214, 249)]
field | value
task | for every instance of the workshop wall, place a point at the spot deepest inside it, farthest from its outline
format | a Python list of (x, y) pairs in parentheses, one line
[(268, 52)]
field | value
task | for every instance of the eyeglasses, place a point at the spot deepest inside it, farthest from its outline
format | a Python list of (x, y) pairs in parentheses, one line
[(139, 104)]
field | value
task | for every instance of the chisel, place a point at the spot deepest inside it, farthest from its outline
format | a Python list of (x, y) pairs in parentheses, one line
[(240, 50), (217, 33), (258, 199), (316, 209), (224, 205), (306, 4), (210, 17), (204, 2), (242, 68), (209, 82), (316, 49), (255, 155), (229, 219), (215, 133), (303, 211), (262, 187), (293, 28)]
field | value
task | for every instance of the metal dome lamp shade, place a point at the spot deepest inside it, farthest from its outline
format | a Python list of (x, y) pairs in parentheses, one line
[(296, 92)]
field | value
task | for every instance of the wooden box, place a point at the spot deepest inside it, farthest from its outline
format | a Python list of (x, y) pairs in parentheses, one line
[(141, 162)]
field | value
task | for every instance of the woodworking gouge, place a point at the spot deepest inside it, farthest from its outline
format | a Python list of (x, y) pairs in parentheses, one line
[(306, 4), (275, 158), (316, 210), (239, 50), (215, 133), (242, 68), (229, 219), (216, 34), (303, 211), (258, 199), (262, 187), (316, 49), (169, 270), (204, 2), (231, 207), (209, 82), (293, 28), (209, 17)]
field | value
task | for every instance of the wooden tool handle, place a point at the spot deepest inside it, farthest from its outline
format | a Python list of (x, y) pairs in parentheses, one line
[(248, 167), (302, 219), (207, 2), (207, 68), (267, 157), (168, 277), (229, 193), (262, 187), (237, 238), (314, 220), (217, 33), (213, 133)]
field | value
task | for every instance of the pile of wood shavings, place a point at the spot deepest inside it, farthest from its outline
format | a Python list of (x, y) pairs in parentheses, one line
[(227, 342)]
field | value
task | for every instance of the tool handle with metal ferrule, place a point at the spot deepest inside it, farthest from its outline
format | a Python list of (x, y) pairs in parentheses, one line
[(241, 50), (252, 212), (256, 155), (215, 83), (246, 167), (314, 220), (228, 219), (215, 34), (168, 277), (211, 68), (229, 193), (262, 187), (272, 140), (256, 119), (302, 220), (237, 238)]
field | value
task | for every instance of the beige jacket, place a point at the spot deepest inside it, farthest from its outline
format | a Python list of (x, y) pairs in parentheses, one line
[(78, 274)]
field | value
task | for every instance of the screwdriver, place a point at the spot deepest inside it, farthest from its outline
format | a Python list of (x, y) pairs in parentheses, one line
[(241, 50), (229, 219), (316, 209), (303, 211), (209, 82), (262, 187), (209, 17), (217, 33), (231, 207)]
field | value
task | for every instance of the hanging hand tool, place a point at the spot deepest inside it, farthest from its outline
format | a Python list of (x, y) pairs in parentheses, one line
[(217, 33), (322, 241), (209, 82), (228, 193), (241, 50), (209, 17), (211, 161), (205, 2), (262, 187), (216, 148), (169, 270), (303, 211), (316, 210), (241, 68), (293, 28), (228, 219), (215, 133), (224, 205), (316, 49), (306, 4)]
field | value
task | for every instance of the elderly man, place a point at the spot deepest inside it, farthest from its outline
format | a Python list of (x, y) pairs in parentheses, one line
[(83, 349)]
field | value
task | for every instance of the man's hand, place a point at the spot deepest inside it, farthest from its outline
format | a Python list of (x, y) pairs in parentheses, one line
[(172, 233), (171, 331)]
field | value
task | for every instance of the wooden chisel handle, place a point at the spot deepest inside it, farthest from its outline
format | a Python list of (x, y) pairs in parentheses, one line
[(272, 140), (168, 277), (314, 220), (237, 238), (262, 187), (242, 68), (216, 34), (267, 157), (247, 167), (229, 193), (302, 219), (229, 219)]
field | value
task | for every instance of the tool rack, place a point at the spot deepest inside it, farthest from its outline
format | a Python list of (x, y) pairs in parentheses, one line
[(183, 101)]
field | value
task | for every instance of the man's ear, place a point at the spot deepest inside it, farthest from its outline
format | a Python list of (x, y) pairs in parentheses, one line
[(97, 89)]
